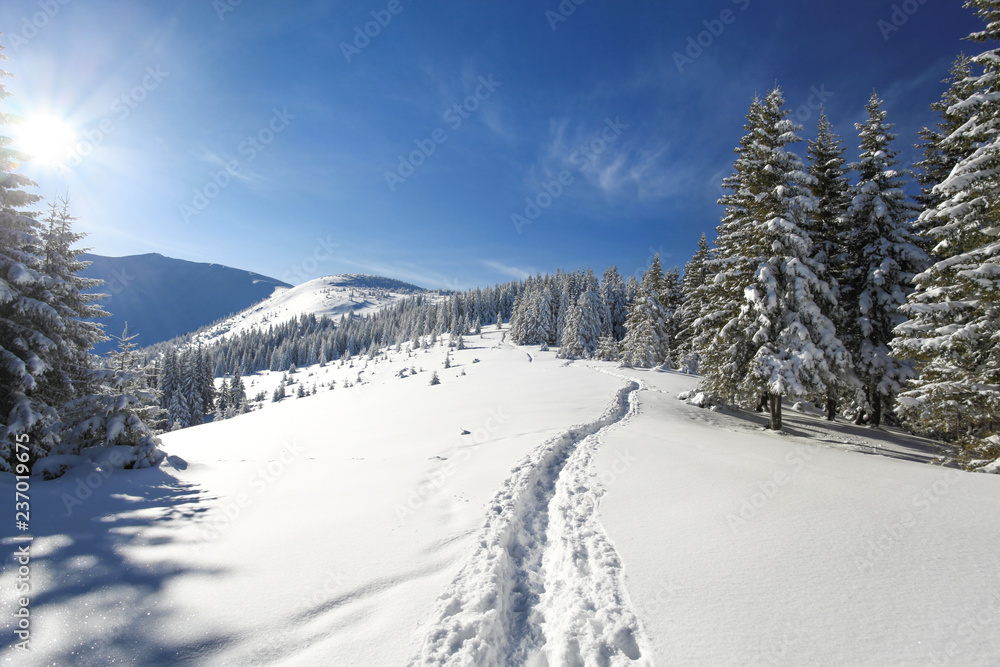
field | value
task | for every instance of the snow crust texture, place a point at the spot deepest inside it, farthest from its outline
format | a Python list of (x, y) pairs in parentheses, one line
[(545, 585)]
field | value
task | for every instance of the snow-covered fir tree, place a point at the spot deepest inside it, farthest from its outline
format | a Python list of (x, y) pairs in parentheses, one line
[(30, 329), (954, 312), (646, 342), (763, 316), (829, 228), (237, 391), (71, 296), (631, 289), (944, 145), (695, 276), (672, 297), (883, 255), (583, 327), (115, 414), (615, 303), (608, 349)]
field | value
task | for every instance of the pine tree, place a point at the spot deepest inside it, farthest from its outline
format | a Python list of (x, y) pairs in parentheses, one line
[(168, 383), (631, 289), (222, 400), (71, 362), (205, 379), (608, 349), (189, 408), (114, 414), (944, 145), (829, 229), (764, 318), (237, 392), (953, 328), (883, 255), (672, 298), (30, 330), (695, 276), (435, 379), (616, 307), (646, 343), (583, 327)]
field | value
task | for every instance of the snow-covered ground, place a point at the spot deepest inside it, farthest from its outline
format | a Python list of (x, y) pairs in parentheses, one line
[(524, 511)]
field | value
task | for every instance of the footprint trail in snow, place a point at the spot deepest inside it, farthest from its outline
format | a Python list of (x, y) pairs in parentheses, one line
[(545, 585)]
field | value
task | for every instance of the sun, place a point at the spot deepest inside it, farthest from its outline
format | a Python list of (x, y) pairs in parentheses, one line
[(46, 138)]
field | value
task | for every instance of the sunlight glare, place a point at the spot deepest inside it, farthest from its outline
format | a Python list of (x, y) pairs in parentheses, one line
[(46, 138)]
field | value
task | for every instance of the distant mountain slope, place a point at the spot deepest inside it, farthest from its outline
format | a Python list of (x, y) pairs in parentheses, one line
[(162, 297), (331, 296)]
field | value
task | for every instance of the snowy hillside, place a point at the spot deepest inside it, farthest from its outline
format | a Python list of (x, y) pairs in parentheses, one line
[(526, 510), (331, 296), (162, 297)]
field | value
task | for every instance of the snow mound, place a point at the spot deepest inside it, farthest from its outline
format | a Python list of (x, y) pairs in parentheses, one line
[(993, 467), (697, 398)]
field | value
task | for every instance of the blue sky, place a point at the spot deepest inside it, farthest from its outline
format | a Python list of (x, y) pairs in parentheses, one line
[(259, 134)]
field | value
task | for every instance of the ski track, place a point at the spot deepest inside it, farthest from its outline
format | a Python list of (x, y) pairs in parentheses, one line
[(545, 585)]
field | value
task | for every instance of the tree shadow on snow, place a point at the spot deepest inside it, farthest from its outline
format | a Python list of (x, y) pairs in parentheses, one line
[(93, 602), (843, 434)]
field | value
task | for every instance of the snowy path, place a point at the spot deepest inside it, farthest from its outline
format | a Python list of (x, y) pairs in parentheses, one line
[(545, 585)]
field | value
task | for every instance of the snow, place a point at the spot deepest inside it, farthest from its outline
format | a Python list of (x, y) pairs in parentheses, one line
[(331, 296), (531, 511)]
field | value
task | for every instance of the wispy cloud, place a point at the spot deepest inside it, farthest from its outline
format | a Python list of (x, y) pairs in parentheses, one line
[(624, 166), (216, 160), (506, 269)]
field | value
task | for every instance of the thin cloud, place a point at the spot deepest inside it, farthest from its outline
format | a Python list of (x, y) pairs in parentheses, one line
[(507, 269)]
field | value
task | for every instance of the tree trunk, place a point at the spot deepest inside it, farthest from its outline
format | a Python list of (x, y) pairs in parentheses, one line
[(876, 416), (831, 405), (775, 423), (862, 417)]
